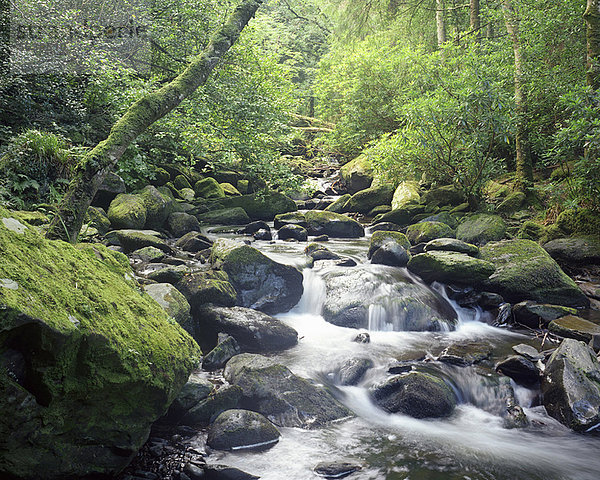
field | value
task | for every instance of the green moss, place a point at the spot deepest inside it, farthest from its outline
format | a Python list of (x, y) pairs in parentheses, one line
[(180, 182), (369, 198), (407, 192), (127, 211), (451, 267), (208, 188), (230, 190), (531, 230), (262, 206), (380, 238), (480, 229), (338, 205), (427, 231), (582, 221)]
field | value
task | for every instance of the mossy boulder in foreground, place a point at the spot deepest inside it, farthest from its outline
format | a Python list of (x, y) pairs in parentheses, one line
[(525, 271), (451, 267), (89, 362)]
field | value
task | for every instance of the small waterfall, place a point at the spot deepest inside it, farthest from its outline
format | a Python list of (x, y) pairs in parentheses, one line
[(314, 294)]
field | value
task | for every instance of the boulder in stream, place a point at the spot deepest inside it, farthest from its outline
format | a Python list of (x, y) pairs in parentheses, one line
[(333, 225), (571, 386), (284, 398), (241, 429), (451, 267), (127, 211), (424, 232), (369, 198), (417, 394), (481, 229), (88, 363)]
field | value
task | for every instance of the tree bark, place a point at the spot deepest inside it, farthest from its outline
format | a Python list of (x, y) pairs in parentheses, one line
[(592, 21), (4, 36), (440, 20), (523, 161), (474, 19), (143, 113)]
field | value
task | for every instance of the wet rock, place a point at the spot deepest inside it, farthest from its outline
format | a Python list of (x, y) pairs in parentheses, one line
[(254, 227), (528, 352), (169, 274), (385, 227), (400, 216), (534, 315), (362, 337), (524, 271), (490, 300), (319, 252), (451, 267), (352, 371), (381, 238), (219, 400), (389, 294), (263, 206), (481, 229), (407, 192), (520, 369), (442, 217), (575, 327), (417, 394), (132, 240), (391, 254), (452, 245), (171, 300), (148, 255), (127, 212), (205, 287), (369, 198), (336, 469), (260, 282), (263, 235), (180, 223), (193, 242), (338, 205), (95, 217), (512, 203), (426, 231), (504, 315), (158, 206), (285, 399), (333, 225), (571, 386), (112, 186), (241, 429), (465, 354), (254, 331), (194, 472), (321, 238), (575, 250), (225, 216), (193, 392), (295, 232), (291, 218), (345, 262), (217, 358), (180, 182), (223, 472)]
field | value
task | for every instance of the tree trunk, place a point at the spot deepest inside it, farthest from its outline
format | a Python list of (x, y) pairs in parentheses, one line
[(440, 20), (524, 166), (143, 113), (592, 21), (474, 19), (4, 36)]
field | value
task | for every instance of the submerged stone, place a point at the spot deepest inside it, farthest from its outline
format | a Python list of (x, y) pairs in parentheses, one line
[(241, 430)]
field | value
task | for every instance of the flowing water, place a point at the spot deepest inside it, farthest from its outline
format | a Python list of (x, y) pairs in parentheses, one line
[(472, 444)]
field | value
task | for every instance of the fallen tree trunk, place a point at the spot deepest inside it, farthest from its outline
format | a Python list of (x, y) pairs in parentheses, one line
[(143, 113)]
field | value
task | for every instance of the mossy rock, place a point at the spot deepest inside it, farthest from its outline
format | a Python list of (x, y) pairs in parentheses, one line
[(193, 242), (292, 218), (208, 188), (220, 400), (531, 230), (401, 216), (494, 190), (481, 229), (127, 211), (79, 333), (241, 429), (581, 221), (575, 250), (284, 398), (180, 223), (230, 190), (452, 245), (37, 218), (95, 217), (535, 315), (292, 232), (158, 207), (512, 203), (572, 326), (225, 216), (369, 198), (132, 240), (525, 271), (442, 196), (261, 283), (201, 288), (161, 176), (169, 274), (332, 224), (187, 194), (407, 192), (442, 217), (226, 348), (357, 174), (338, 205), (180, 182), (427, 231), (112, 186), (264, 205), (379, 210), (148, 254), (172, 301), (243, 186), (380, 238), (451, 267)]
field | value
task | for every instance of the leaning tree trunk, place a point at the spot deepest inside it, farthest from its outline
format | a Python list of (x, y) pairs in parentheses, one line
[(592, 20), (143, 113), (524, 166), (440, 21)]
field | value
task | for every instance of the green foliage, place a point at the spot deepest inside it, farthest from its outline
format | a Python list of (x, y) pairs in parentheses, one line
[(36, 167)]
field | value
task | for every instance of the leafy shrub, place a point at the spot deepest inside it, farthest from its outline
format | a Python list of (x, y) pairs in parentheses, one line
[(36, 167)]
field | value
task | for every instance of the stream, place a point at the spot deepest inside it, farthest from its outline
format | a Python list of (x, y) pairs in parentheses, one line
[(471, 444)]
